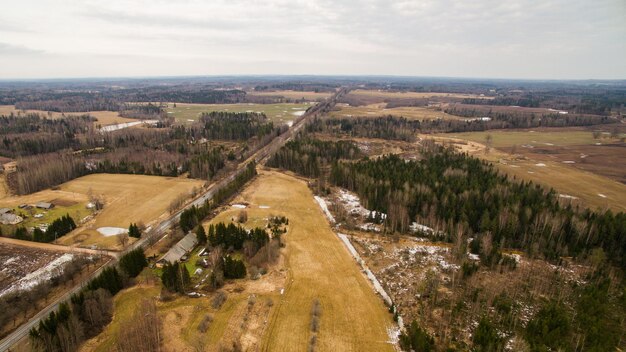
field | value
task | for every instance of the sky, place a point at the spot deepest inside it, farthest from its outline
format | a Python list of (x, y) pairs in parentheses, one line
[(529, 39)]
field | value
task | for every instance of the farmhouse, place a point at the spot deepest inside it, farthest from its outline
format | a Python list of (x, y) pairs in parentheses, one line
[(10, 219), (44, 205), (180, 249), (10, 166)]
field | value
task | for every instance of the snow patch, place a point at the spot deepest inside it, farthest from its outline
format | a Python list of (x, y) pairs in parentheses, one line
[(239, 206), (601, 195), (324, 206), (111, 231), (264, 206), (54, 268), (540, 164)]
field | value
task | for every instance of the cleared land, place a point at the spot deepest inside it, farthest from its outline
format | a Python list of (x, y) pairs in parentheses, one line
[(595, 191), (273, 313), (105, 118), (128, 198), (379, 109), (292, 94), (353, 318), (414, 95), (278, 113)]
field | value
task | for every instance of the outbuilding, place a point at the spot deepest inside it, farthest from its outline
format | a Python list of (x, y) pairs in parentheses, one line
[(44, 205)]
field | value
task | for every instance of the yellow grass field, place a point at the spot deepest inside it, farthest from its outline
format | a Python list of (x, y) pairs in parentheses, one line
[(353, 317), (375, 110), (128, 198), (536, 137), (595, 191), (292, 94), (413, 95), (104, 118), (278, 113)]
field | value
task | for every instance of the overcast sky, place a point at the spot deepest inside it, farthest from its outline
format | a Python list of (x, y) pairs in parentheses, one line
[(453, 38)]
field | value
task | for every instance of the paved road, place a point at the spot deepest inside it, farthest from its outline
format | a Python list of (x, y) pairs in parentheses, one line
[(260, 157)]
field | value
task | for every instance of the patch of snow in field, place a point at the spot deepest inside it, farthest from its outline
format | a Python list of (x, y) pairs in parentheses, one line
[(298, 113), (549, 144), (540, 164), (120, 126), (190, 120), (264, 206), (111, 231), (569, 162), (473, 256), (289, 123), (54, 268), (239, 206), (601, 195), (324, 206), (10, 260), (567, 196)]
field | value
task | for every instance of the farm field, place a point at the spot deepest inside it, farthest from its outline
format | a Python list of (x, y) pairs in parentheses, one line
[(105, 118), (273, 313), (413, 95), (292, 94), (379, 109), (593, 189), (319, 267), (128, 198), (277, 113), (537, 137)]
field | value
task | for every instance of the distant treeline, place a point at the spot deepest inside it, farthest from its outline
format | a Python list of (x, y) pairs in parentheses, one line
[(400, 128)]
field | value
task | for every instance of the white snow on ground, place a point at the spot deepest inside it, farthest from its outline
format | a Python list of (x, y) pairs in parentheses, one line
[(111, 231), (377, 286), (567, 196), (415, 227), (540, 164), (239, 206), (322, 204), (569, 162), (289, 123), (601, 195), (298, 113), (352, 203), (54, 268), (473, 256), (120, 126), (264, 206)]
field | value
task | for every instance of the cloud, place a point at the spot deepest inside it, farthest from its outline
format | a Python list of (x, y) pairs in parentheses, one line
[(9, 49), (515, 38)]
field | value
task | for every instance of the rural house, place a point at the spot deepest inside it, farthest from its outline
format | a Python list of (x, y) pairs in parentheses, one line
[(44, 205), (183, 247), (10, 219)]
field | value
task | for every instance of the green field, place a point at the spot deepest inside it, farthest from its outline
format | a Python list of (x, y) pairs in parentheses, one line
[(508, 138), (77, 212), (277, 113)]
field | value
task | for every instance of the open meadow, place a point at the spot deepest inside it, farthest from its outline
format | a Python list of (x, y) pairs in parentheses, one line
[(380, 109), (272, 313), (278, 113), (105, 118), (292, 94), (127, 198)]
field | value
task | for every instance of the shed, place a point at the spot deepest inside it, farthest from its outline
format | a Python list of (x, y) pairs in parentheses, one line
[(5, 211), (182, 247), (44, 205)]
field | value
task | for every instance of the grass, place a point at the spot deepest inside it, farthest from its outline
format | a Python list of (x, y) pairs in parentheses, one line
[(353, 318), (104, 118), (277, 113), (128, 198), (545, 137), (374, 110), (76, 211), (291, 94), (412, 95)]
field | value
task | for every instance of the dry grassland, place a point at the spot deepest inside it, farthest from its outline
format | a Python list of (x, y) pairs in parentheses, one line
[(292, 94), (104, 118), (379, 109), (414, 95)]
